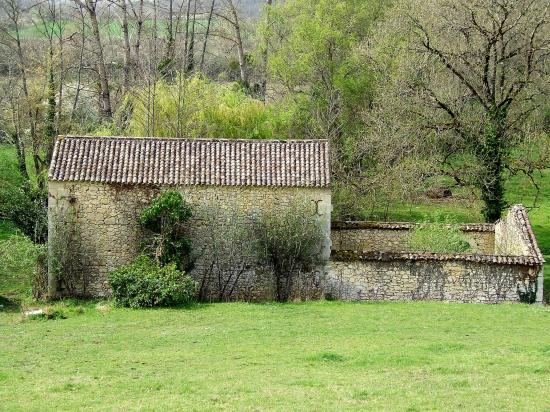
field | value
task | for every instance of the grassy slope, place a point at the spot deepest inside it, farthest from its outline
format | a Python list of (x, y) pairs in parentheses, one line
[(111, 29), (313, 356)]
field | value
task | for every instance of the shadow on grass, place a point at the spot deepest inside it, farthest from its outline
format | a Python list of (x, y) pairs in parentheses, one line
[(9, 305)]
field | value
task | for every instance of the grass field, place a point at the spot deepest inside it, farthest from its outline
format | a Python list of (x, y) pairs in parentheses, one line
[(312, 356)]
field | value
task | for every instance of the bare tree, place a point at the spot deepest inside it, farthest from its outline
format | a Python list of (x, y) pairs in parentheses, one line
[(105, 110), (12, 36), (265, 51), (482, 78), (207, 33), (127, 47), (227, 257), (230, 15)]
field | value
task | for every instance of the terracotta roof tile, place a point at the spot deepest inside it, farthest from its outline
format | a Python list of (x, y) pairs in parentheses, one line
[(170, 161), (355, 225), (358, 255)]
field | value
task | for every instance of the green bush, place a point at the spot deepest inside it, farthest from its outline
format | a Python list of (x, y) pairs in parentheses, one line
[(144, 283), (26, 208), (290, 242), (18, 257), (165, 219), (438, 238)]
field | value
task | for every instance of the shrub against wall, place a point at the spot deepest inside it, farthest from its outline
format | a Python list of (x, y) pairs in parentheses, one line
[(157, 277), (145, 283), (26, 208), (228, 255), (18, 264), (165, 219), (290, 242), (65, 263)]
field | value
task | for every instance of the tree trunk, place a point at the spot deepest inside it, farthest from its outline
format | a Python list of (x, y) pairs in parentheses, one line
[(207, 34), (186, 40), (20, 150), (265, 51), (166, 65), (60, 88), (50, 115), (139, 30), (127, 55), (32, 124), (490, 155), (80, 65), (191, 51), (105, 111), (240, 48)]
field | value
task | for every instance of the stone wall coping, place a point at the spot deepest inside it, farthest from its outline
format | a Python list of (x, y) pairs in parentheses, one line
[(520, 214), (355, 225), (354, 255)]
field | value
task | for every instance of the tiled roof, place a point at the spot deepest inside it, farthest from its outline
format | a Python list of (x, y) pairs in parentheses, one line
[(363, 224), (170, 161), (358, 255)]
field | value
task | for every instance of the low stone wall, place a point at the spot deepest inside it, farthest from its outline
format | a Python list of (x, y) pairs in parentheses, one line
[(466, 278), (391, 237), (370, 261)]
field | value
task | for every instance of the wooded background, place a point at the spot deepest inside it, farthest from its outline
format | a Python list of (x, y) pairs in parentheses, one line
[(417, 97)]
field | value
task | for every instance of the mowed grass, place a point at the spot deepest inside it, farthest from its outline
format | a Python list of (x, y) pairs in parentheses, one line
[(310, 356)]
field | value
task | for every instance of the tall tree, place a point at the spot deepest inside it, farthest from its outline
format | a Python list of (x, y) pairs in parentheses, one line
[(265, 51), (207, 33), (105, 109), (14, 13), (478, 73), (230, 15), (191, 49), (315, 59), (127, 48)]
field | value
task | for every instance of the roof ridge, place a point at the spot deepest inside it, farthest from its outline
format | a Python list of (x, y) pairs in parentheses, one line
[(200, 139)]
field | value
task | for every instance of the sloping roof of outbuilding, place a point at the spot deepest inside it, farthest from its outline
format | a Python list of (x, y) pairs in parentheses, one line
[(171, 161)]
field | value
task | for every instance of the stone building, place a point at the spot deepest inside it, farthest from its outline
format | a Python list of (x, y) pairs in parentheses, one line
[(99, 185)]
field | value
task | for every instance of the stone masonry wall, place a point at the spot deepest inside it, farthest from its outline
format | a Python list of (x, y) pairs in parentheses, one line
[(446, 280), (393, 237), (370, 261), (103, 220), (511, 235)]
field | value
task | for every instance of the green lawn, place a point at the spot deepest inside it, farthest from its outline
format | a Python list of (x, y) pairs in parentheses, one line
[(312, 356)]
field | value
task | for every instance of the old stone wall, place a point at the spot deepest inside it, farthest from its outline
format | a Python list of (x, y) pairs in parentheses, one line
[(102, 221), (393, 237), (412, 278), (371, 261)]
